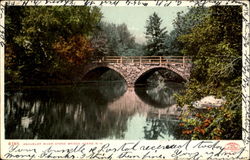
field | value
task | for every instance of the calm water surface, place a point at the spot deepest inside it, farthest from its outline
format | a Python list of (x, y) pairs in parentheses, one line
[(92, 111)]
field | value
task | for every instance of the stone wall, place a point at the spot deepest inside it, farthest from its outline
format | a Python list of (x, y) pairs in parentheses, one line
[(132, 71)]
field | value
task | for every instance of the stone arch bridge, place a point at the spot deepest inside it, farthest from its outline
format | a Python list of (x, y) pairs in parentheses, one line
[(132, 68)]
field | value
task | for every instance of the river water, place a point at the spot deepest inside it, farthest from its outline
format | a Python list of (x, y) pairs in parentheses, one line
[(99, 110)]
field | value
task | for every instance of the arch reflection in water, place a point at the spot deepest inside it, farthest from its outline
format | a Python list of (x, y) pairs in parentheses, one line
[(96, 111), (160, 95)]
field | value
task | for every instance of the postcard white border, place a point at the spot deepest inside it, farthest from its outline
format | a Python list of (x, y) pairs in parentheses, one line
[(170, 149)]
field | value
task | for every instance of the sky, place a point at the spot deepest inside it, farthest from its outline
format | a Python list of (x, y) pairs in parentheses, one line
[(135, 18)]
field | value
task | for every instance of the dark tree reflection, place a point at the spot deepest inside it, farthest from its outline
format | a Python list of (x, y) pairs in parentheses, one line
[(154, 129), (63, 113)]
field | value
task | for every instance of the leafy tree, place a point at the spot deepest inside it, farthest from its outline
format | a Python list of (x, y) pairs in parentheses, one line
[(215, 45), (125, 37), (79, 45), (40, 28), (183, 24), (72, 64), (99, 42), (114, 40), (155, 36), (12, 60)]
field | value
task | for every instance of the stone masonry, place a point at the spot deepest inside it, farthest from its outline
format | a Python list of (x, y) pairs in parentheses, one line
[(132, 71)]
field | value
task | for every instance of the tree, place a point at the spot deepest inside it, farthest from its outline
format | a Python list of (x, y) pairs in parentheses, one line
[(125, 37), (12, 59), (71, 64), (215, 46), (114, 40), (40, 28), (183, 24), (78, 44), (155, 36)]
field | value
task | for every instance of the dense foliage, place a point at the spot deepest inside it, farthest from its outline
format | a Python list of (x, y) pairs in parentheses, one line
[(50, 45), (44, 42), (215, 46), (183, 24), (115, 40)]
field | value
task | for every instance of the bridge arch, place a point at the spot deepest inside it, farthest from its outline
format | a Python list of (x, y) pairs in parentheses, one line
[(90, 68), (150, 70)]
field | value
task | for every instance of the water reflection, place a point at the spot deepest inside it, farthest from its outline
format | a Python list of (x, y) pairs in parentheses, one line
[(160, 95), (90, 111)]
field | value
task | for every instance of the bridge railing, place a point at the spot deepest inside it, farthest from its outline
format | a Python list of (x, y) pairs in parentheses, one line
[(148, 60)]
